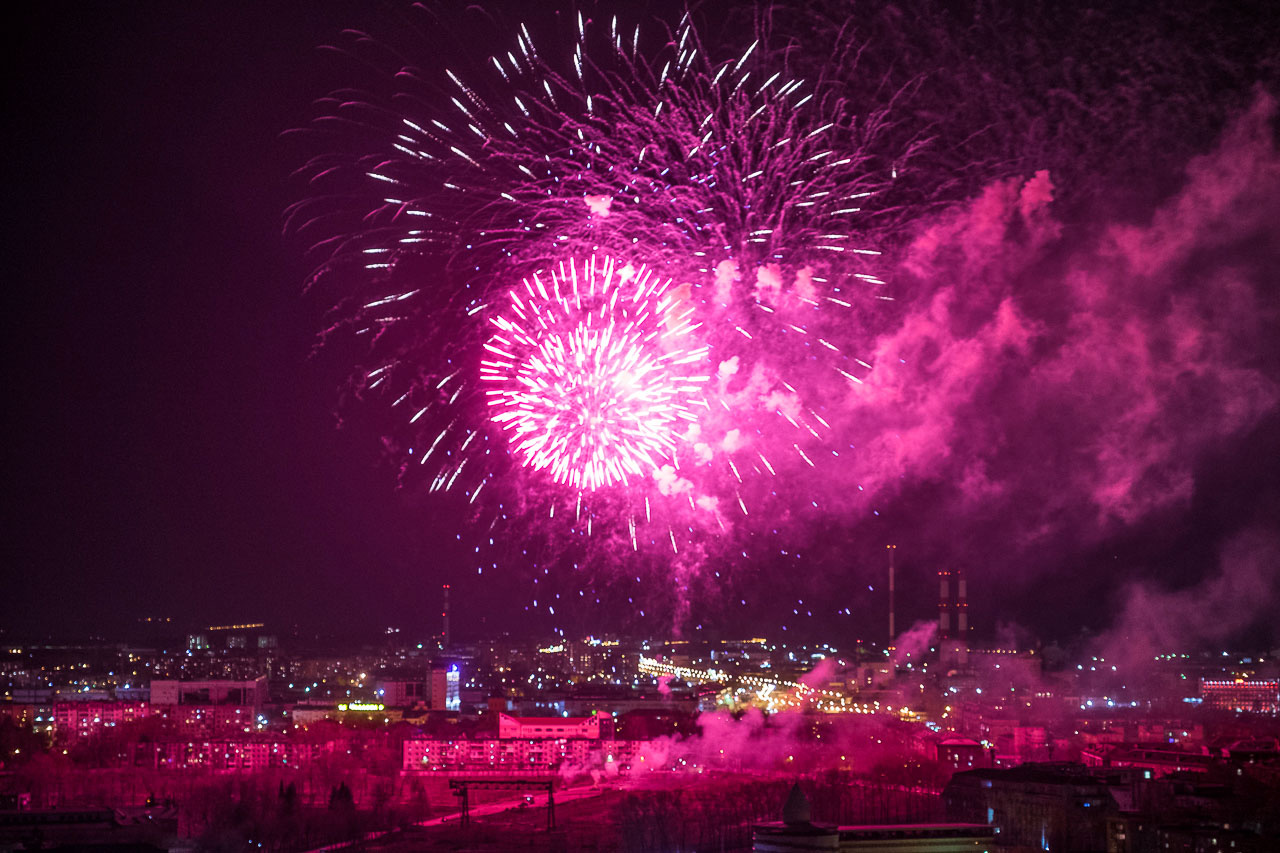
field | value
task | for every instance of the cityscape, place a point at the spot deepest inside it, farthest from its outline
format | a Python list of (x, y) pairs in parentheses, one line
[(241, 735), (651, 426)]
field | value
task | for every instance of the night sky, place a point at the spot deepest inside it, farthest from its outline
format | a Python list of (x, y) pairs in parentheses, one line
[(1080, 403)]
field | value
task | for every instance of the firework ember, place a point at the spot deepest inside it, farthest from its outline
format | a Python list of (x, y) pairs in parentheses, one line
[(594, 373)]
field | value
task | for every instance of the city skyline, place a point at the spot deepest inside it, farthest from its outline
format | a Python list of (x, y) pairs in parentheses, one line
[(238, 736)]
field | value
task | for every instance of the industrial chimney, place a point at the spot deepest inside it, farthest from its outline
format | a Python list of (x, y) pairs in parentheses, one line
[(944, 605), (953, 619)]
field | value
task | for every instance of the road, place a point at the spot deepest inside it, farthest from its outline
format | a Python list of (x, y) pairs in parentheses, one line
[(566, 795)]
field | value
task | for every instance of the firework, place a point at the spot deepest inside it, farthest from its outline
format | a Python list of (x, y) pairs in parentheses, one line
[(675, 393), (591, 373)]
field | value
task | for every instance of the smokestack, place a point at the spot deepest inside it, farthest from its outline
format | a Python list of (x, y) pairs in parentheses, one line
[(944, 605), (962, 606), (444, 618), (893, 632)]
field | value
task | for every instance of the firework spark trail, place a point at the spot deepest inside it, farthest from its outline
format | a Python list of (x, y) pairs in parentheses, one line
[(740, 183)]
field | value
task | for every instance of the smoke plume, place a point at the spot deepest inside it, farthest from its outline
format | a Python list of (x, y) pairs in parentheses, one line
[(1048, 387)]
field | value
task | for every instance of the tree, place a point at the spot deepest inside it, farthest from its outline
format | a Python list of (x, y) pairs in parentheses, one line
[(341, 799), (288, 799)]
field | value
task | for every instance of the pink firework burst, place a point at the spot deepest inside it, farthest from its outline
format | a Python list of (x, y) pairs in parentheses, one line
[(595, 372)]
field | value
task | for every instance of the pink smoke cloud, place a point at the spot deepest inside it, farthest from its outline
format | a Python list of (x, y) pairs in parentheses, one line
[(821, 675), (726, 275), (1156, 620), (1067, 383), (913, 643), (754, 741)]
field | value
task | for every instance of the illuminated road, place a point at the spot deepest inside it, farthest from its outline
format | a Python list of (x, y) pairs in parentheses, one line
[(774, 693)]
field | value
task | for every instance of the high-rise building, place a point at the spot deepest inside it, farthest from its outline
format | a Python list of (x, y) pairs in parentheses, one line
[(446, 688)]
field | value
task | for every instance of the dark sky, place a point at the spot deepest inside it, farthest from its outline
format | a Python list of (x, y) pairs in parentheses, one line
[(172, 449)]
